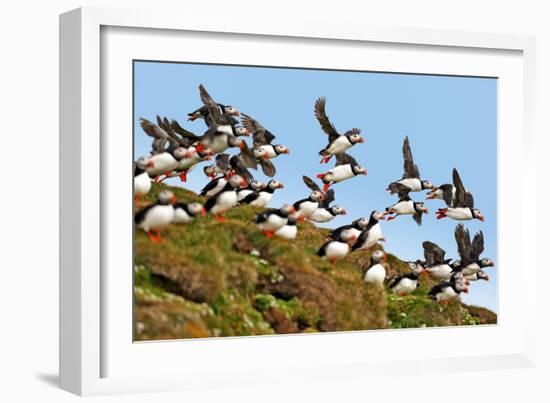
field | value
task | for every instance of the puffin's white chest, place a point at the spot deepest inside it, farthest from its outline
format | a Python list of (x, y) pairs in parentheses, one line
[(321, 215), (270, 151), (219, 186), (219, 142), (339, 173), (287, 231), (405, 286), (264, 198), (181, 216), (472, 268), (336, 250), (403, 207), (157, 217), (142, 184), (440, 272), (339, 145), (307, 208), (412, 183), (374, 235), (446, 294), (459, 213), (376, 274), (162, 163), (273, 223), (225, 201)]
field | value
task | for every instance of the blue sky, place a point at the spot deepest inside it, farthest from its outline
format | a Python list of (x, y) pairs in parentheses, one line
[(450, 121)]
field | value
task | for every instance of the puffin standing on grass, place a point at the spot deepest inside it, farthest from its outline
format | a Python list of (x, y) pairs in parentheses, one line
[(184, 213), (155, 217), (289, 230), (338, 143), (346, 167), (376, 272), (406, 206), (253, 186), (333, 251), (372, 234), (470, 252), (325, 212), (347, 233), (271, 220), (411, 176), (406, 283), (262, 197), (446, 291), (462, 209), (225, 199), (437, 266), (142, 181), (306, 207)]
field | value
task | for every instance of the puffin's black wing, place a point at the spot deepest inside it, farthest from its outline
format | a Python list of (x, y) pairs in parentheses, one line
[(329, 198), (214, 116), (464, 244), (335, 233), (433, 254), (211, 202), (394, 281), (296, 205), (401, 190), (140, 215), (260, 135), (249, 198), (462, 197), (323, 119), (409, 167), (267, 167), (264, 215), (344, 159), (177, 140), (311, 184), (247, 156), (237, 164), (360, 239), (210, 185), (447, 190), (477, 246), (436, 289), (417, 217), (176, 127), (159, 135)]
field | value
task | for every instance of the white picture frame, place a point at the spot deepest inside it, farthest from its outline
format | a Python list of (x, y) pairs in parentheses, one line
[(86, 303)]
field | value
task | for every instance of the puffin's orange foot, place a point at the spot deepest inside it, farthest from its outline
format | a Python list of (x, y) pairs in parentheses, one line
[(269, 234), (154, 237), (301, 219), (219, 218)]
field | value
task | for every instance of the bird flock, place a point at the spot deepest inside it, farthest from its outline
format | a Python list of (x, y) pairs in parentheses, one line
[(176, 151)]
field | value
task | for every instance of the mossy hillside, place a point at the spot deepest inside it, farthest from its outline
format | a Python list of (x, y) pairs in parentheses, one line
[(254, 285)]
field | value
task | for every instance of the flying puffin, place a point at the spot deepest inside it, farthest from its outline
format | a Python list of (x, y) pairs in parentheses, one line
[(226, 198), (271, 220), (406, 205), (436, 265), (213, 170), (333, 250), (346, 167), (253, 186), (306, 207), (371, 234), (263, 148), (262, 197), (349, 233), (325, 212), (234, 164), (202, 112), (470, 251), (142, 181), (185, 212), (448, 290), (438, 192), (289, 230), (411, 176), (338, 143), (376, 272), (480, 275), (406, 283), (462, 208), (156, 216)]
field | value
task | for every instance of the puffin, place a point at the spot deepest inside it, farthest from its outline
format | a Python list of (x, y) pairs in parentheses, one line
[(263, 148), (462, 208), (405, 284), (306, 207), (187, 164), (214, 186), (202, 112), (338, 143), (325, 212), (376, 272), (262, 197), (411, 176), (253, 186), (271, 220), (350, 232), (142, 181), (438, 192), (155, 217), (406, 205), (289, 230), (213, 170), (437, 266), (480, 275), (449, 290), (346, 167), (226, 198), (470, 252), (184, 213), (234, 164), (371, 234), (333, 250)]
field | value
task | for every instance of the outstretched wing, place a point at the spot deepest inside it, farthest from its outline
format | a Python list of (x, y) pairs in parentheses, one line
[(157, 133), (447, 190), (261, 136), (401, 190), (222, 161), (409, 167), (477, 246), (323, 119), (177, 128), (214, 115), (329, 198), (417, 217), (267, 167), (311, 184), (462, 197), (464, 244), (433, 253), (344, 159)]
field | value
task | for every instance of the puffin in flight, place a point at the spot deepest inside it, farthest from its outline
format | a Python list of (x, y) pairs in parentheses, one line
[(202, 112), (306, 207), (470, 252), (371, 234), (462, 208), (346, 167), (405, 284), (436, 266), (325, 212), (337, 143), (406, 205), (262, 197), (411, 176), (271, 220), (226, 198), (438, 192), (376, 272), (263, 148), (155, 217), (448, 290)]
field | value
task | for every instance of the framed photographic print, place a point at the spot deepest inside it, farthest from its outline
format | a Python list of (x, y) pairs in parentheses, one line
[(238, 202)]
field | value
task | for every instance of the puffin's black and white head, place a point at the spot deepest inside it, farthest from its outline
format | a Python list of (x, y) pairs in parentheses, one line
[(337, 210), (237, 181), (355, 138), (257, 185), (461, 283), (486, 262), (420, 207), (377, 215), (427, 185), (476, 213), (416, 267), (166, 198), (231, 110), (143, 163), (359, 170), (361, 223), (274, 184), (241, 131), (212, 170), (379, 256), (481, 275), (317, 196), (456, 265), (261, 153), (180, 153), (196, 209), (287, 209), (281, 149)]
